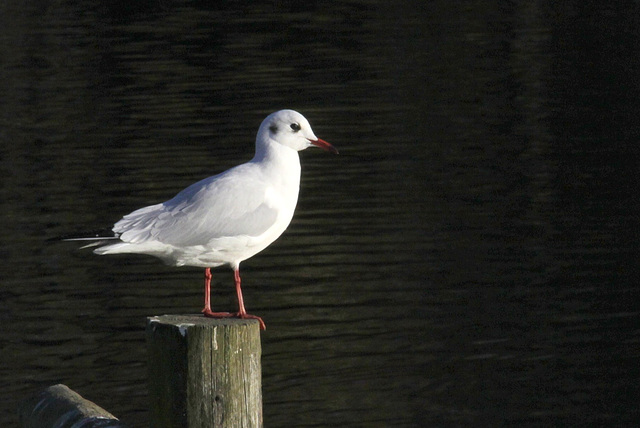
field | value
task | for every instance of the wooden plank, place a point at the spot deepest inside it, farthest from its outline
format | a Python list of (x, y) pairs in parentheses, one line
[(204, 372)]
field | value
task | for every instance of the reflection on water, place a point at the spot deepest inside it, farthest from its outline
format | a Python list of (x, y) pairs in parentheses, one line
[(469, 258)]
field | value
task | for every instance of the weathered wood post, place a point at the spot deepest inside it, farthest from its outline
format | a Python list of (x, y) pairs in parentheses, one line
[(204, 372)]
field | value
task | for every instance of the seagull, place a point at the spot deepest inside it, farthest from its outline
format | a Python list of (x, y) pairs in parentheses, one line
[(227, 218)]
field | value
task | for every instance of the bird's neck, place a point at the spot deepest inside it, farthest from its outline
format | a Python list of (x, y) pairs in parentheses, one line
[(280, 160)]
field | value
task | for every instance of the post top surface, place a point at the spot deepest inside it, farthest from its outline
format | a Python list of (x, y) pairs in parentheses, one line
[(186, 320)]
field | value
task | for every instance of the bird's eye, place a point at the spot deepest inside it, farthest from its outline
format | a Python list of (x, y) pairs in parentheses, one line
[(295, 127)]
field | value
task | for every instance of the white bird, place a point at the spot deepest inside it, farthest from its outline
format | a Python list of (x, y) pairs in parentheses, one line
[(227, 218)]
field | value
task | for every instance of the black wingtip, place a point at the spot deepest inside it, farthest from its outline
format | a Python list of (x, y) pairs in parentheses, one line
[(95, 235)]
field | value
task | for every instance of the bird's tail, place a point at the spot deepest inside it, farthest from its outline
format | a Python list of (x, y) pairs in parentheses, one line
[(94, 238)]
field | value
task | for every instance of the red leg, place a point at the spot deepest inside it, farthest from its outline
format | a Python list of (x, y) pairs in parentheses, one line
[(242, 312), (207, 290), (207, 299)]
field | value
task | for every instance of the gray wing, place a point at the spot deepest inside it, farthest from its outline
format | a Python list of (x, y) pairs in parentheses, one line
[(230, 204)]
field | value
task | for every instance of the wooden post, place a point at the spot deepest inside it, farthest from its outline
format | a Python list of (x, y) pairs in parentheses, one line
[(60, 407), (204, 372)]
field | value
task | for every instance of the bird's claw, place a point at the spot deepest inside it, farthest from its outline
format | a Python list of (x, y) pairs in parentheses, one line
[(209, 314), (252, 317)]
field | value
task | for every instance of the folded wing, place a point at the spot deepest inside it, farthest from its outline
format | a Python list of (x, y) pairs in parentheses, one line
[(226, 205)]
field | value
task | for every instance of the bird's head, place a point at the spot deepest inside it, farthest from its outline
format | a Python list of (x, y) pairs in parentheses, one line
[(291, 129)]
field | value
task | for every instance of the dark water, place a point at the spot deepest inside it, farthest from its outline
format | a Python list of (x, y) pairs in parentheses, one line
[(471, 257)]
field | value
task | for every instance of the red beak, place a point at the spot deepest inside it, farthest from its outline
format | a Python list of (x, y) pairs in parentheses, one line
[(324, 145)]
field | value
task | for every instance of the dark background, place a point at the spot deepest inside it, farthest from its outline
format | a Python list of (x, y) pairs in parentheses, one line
[(471, 257)]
